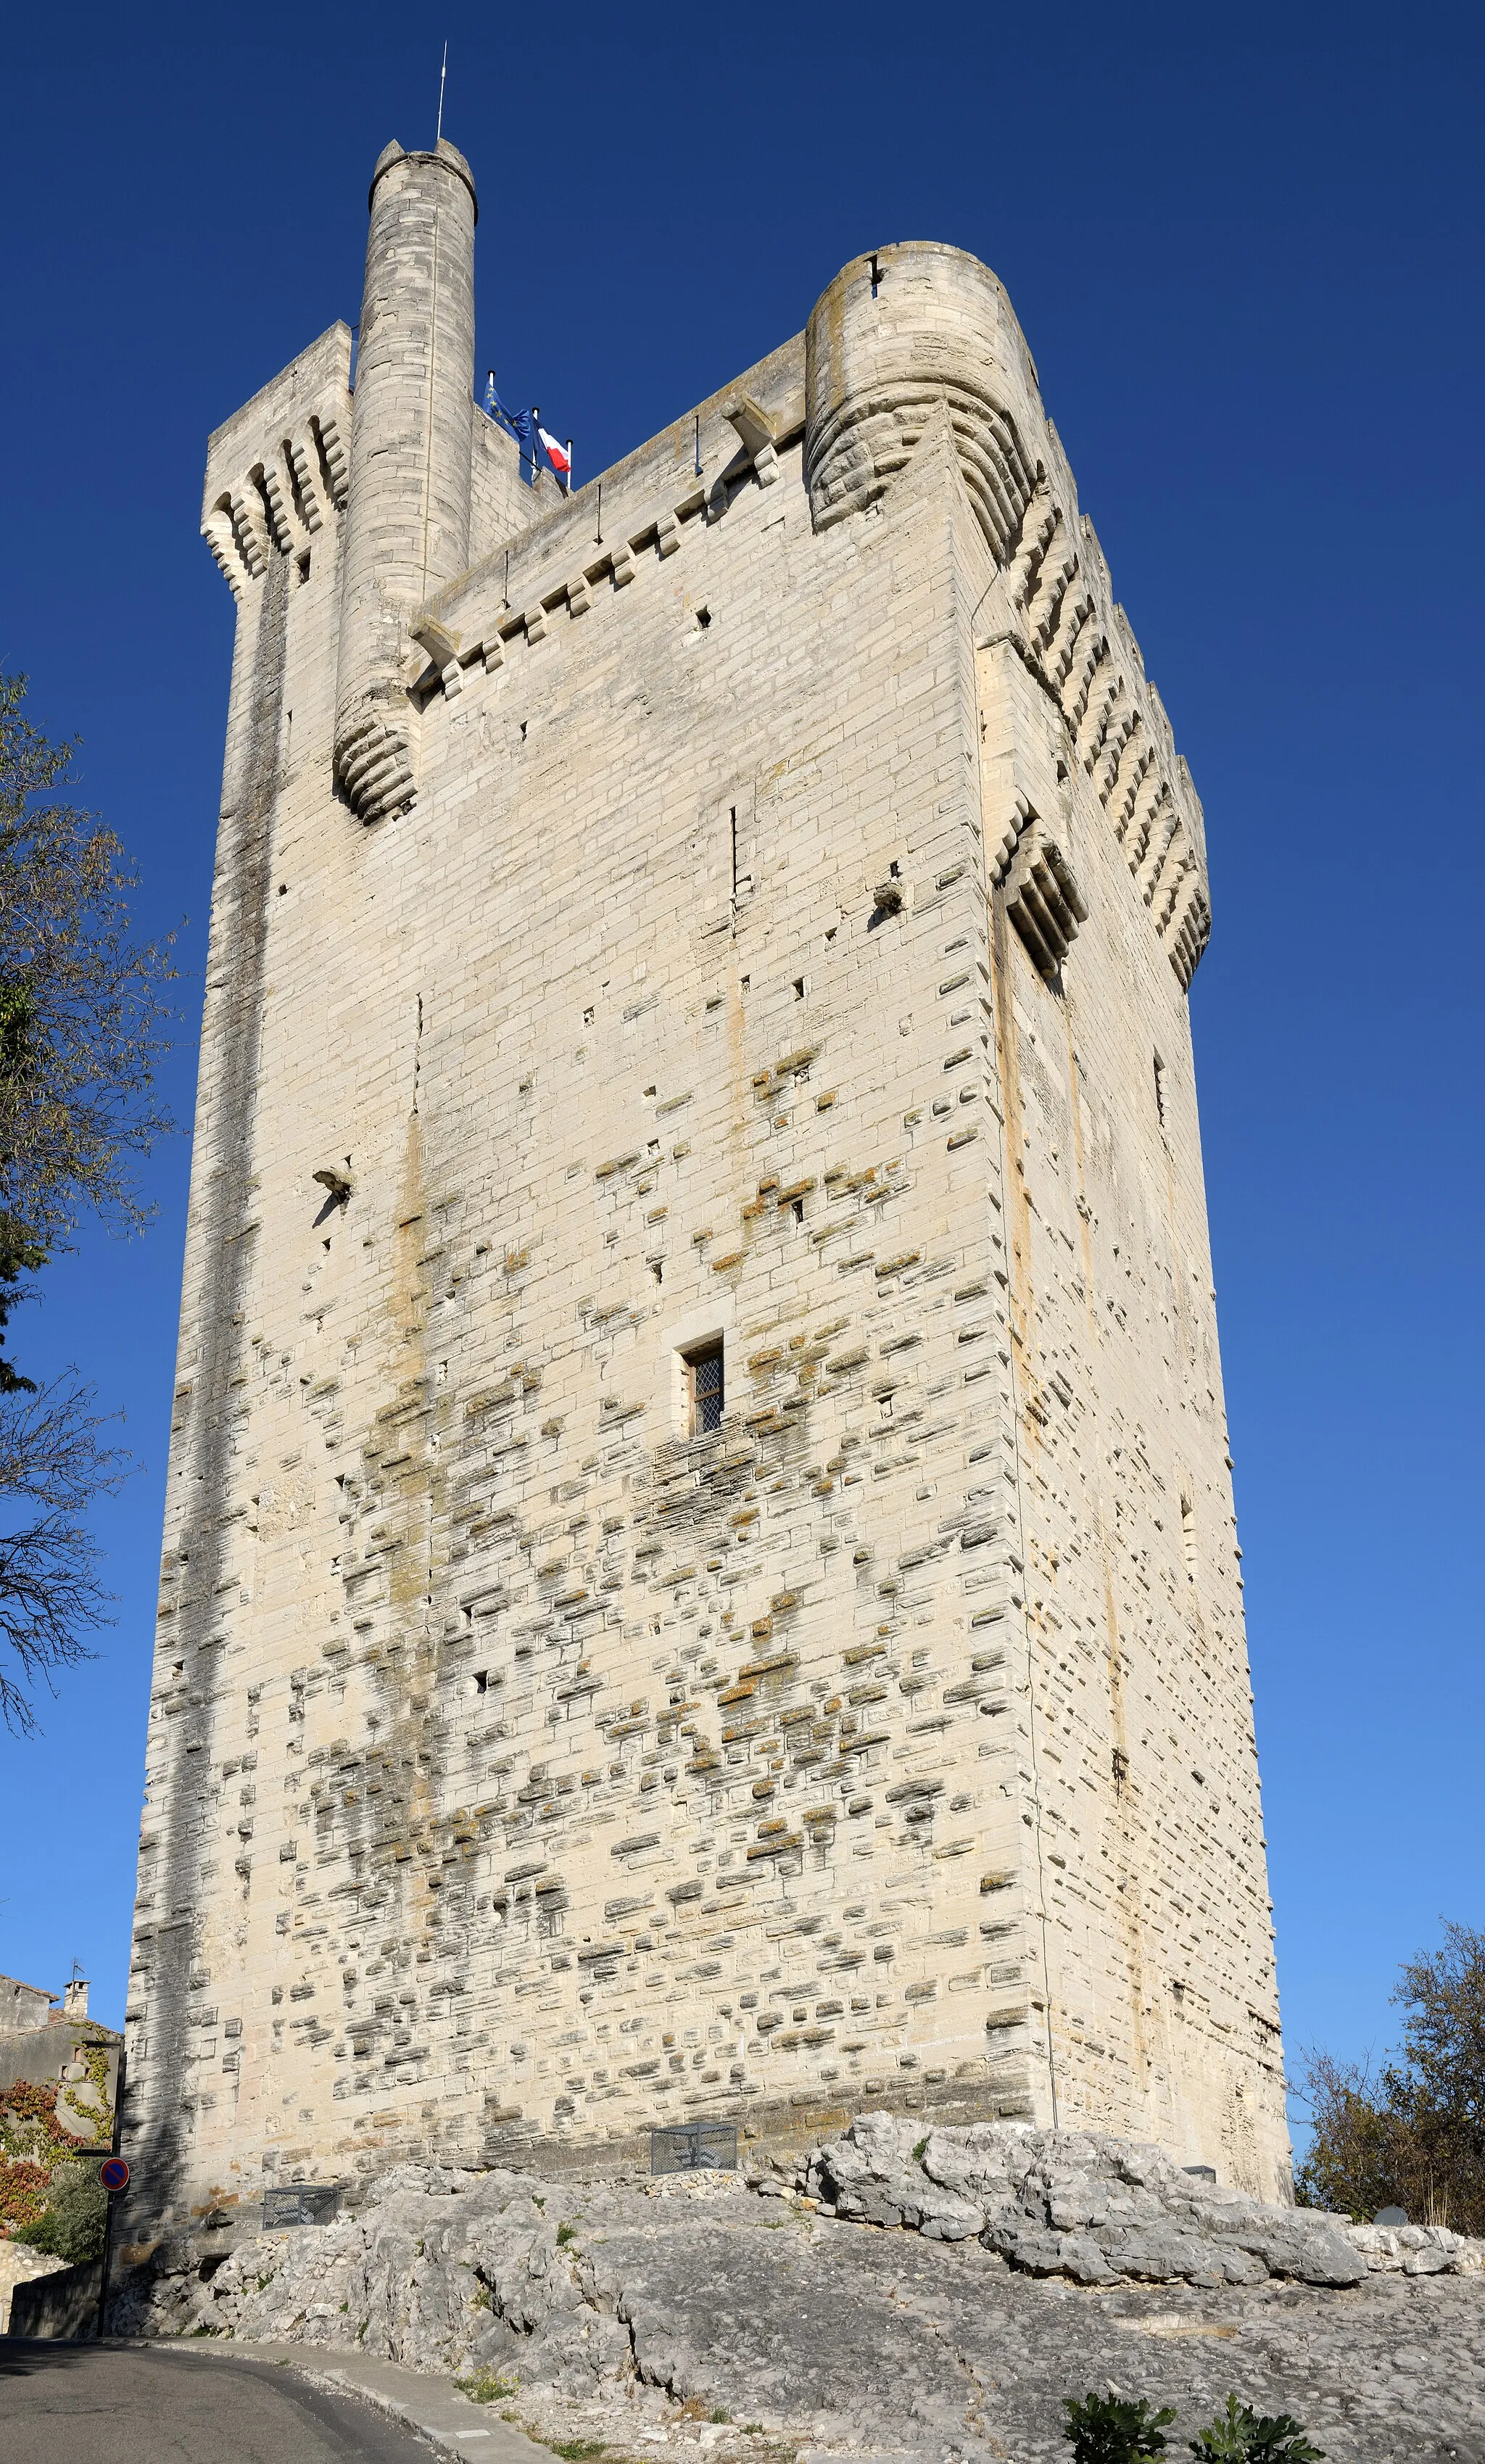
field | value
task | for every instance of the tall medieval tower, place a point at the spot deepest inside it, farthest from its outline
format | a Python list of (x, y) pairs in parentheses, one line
[(699, 1574)]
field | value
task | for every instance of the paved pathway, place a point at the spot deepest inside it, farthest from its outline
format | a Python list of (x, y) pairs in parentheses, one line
[(178, 2404)]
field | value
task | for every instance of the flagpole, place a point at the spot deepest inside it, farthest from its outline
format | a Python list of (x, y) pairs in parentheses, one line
[(442, 73), (569, 466)]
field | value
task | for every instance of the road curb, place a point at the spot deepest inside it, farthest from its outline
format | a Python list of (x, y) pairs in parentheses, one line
[(418, 2401)]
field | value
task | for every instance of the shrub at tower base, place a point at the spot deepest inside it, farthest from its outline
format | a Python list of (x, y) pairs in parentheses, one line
[(1414, 2135), (71, 2226)]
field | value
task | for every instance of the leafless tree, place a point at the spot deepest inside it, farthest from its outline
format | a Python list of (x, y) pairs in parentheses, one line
[(54, 1461)]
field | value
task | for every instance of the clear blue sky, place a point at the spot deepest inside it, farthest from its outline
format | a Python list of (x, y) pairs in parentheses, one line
[(1244, 246)]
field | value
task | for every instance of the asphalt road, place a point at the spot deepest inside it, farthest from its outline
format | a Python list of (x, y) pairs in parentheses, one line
[(97, 2404)]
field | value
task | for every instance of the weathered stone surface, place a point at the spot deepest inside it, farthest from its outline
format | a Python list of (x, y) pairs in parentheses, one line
[(630, 2314), (1074, 2202)]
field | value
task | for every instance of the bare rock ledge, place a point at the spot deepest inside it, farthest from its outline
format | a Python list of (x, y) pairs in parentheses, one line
[(803, 2311)]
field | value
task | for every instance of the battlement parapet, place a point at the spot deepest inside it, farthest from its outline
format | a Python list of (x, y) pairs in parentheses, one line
[(862, 384), (919, 330), (642, 505), (278, 471), (1075, 641)]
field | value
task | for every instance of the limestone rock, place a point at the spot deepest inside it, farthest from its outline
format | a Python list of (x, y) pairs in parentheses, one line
[(1081, 2203), (599, 2303)]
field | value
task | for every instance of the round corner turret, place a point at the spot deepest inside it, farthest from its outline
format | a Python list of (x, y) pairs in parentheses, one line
[(899, 332), (407, 529), (442, 155), (391, 152)]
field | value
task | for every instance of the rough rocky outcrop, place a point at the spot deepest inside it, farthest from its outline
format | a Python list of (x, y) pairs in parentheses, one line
[(626, 2313), (1096, 2208)]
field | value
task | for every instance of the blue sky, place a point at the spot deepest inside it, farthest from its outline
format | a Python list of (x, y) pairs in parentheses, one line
[(1244, 246)]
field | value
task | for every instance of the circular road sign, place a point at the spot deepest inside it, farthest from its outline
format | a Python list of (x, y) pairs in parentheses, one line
[(114, 2174)]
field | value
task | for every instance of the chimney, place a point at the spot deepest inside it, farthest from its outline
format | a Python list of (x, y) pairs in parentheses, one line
[(407, 522), (74, 1998)]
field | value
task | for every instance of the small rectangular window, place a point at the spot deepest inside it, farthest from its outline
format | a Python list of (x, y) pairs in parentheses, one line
[(705, 1390)]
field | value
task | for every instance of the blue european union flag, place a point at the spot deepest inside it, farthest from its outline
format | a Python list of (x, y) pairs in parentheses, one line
[(515, 423)]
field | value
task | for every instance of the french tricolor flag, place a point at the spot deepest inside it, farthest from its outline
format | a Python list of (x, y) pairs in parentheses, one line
[(560, 456)]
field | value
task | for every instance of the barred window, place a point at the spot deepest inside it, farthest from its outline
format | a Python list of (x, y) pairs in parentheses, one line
[(705, 1388)]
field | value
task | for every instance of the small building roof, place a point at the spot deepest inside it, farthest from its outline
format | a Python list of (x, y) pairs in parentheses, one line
[(24, 2005)]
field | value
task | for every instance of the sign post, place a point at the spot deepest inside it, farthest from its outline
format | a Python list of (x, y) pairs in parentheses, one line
[(114, 2174)]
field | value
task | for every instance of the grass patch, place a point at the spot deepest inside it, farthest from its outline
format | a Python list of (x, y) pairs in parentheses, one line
[(566, 2234), (576, 2450), (486, 2386), (917, 2153)]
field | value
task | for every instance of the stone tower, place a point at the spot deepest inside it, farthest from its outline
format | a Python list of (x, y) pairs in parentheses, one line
[(700, 1575)]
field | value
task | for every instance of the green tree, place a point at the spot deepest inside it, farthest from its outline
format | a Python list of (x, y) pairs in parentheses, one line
[(82, 1014), (1414, 2135), (84, 1021), (76, 2210)]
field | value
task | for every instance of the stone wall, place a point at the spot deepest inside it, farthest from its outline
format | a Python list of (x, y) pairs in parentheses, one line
[(58, 2054), (783, 940), (19, 2264)]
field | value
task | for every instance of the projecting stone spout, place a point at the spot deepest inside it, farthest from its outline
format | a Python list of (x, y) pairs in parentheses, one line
[(409, 519), (897, 334)]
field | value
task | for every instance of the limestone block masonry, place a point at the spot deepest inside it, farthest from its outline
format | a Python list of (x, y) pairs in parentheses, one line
[(730, 932)]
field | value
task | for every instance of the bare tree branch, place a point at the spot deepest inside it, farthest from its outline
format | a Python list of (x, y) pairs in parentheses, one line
[(82, 1017), (53, 1465)]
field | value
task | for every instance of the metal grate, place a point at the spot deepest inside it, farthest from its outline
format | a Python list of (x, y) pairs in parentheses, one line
[(303, 2203), (694, 2147)]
